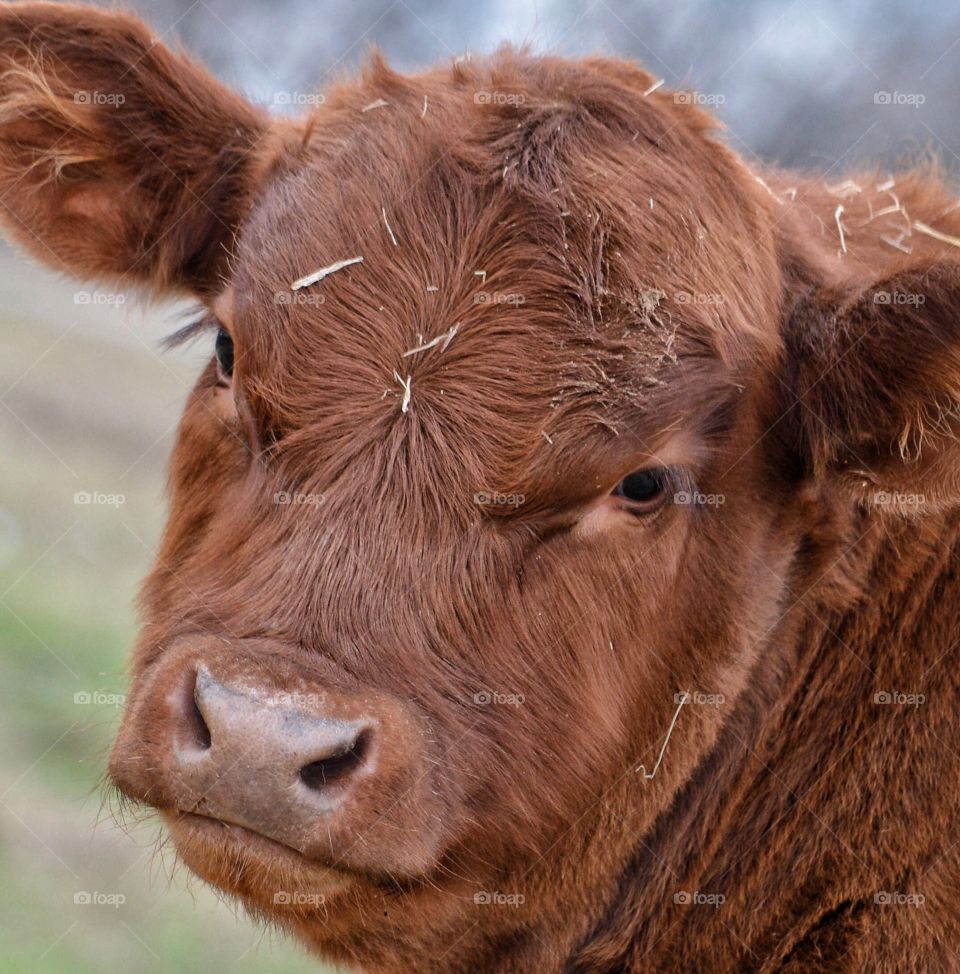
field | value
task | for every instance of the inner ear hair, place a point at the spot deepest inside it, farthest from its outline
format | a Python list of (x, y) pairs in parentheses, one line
[(874, 378)]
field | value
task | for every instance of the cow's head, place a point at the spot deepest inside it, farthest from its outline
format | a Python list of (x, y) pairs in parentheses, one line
[(454, 525)]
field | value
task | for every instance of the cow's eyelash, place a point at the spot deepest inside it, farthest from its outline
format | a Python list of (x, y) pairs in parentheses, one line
[(201, 324)]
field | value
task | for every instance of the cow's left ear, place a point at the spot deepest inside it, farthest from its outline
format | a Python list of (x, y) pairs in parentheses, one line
[(121, 161), (873, 375)]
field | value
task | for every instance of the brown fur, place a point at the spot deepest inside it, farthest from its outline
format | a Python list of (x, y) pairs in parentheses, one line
[(783, 386)]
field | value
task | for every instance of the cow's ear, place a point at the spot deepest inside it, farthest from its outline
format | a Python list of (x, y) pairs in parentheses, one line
[(874, 382), (120, 161)]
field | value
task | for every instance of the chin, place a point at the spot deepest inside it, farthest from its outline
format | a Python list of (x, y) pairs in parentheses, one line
[(273, 881)]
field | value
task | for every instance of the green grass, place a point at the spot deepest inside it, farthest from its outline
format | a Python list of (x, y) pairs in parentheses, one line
[(87, 407)]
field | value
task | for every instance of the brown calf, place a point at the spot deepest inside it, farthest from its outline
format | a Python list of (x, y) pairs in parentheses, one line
[(569, 584)]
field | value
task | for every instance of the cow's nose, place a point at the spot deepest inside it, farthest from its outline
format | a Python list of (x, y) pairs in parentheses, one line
[(271, 763)]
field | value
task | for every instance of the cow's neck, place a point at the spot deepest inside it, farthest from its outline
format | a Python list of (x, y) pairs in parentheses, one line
[(799, 816)]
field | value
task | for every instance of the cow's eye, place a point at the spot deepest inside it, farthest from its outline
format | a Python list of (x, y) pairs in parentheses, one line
[(643, 490), (224, 353)]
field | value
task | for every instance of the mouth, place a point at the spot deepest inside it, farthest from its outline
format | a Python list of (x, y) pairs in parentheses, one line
[(269, 877)]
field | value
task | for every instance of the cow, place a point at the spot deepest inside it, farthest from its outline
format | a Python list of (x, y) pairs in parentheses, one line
[(560, 573)]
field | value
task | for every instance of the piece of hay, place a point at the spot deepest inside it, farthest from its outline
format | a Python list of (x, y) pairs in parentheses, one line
[(681, 699), (949, 209), (386, 223), (886, 211), (446, 338), (424, 112), (763, 183), (407, 385), (379, 103), (936, 234), (898, 243), (654, 87), (845, 189), (837, 213), (323, 272)]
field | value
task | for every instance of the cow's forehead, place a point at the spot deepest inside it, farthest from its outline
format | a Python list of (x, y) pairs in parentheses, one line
[(498, 280), (465, 338), (466, 316)]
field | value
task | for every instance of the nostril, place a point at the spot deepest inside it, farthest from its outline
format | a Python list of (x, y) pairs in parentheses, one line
[(336, 767), (199, 732), (193, 737)]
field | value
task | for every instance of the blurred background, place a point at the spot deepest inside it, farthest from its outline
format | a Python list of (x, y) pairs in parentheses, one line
[(89, 404)]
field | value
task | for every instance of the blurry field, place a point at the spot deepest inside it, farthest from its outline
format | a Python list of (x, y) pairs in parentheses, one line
[(88, 408)]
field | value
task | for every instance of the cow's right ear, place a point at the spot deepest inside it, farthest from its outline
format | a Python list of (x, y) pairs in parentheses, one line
[(120, 161), (873, 379)]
